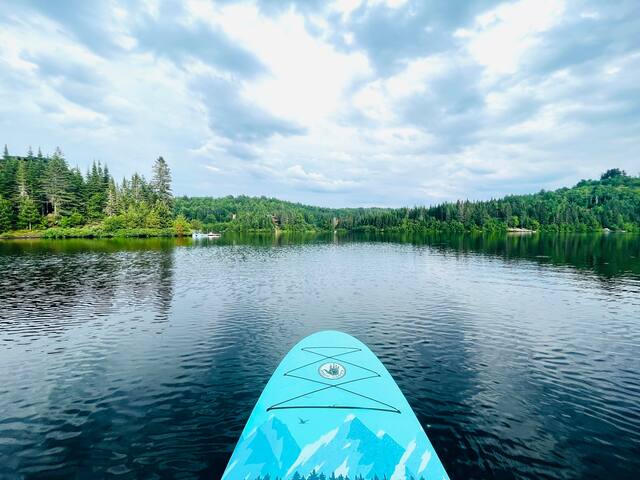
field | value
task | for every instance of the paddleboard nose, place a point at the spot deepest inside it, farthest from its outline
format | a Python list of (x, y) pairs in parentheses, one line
[(330, 408)]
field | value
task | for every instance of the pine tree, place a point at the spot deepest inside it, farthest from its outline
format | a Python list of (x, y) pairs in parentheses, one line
[(154, 220), (6, 215), (21, 178), (161, 183), (138, 188), (77, 192), (28, 214), (163, 214), (8, 169), (56, 183), (35, 173), (112, 206), (181, 227)]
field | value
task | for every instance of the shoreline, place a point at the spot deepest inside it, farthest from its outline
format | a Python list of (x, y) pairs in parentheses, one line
[(60, 233), (90, 233)]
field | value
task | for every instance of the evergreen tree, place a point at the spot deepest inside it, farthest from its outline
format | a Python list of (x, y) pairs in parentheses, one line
[(163, 213), (181, 227), (56, 183), (35, 173), (96, 205), (28, 214), (112, 206), (8, 168), (77, 191), (154, 219), (125, 194), (161, 183), (138, 188), (6, 214), (21, 178), (96, 191)]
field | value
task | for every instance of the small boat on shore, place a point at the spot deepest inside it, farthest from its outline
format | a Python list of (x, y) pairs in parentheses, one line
[(206, 235), (524, 231)]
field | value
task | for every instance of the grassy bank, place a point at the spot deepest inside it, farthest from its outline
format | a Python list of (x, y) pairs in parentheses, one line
[(418, 227), (99, 231), (94, 232)]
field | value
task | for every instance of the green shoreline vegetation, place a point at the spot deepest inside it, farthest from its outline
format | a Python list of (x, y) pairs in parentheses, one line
[(42, 197), (610, 203)]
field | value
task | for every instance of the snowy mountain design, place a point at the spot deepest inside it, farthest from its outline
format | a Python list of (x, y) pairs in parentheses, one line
[(269, 449), (351, 450)]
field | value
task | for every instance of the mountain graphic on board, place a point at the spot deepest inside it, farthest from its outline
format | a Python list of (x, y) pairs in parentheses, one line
[(269, 449), (351, 449)]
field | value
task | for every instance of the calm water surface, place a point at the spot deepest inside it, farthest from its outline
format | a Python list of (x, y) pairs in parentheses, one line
[(143, 358)]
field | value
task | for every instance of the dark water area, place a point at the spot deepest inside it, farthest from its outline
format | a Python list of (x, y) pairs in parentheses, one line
[(143, 358)]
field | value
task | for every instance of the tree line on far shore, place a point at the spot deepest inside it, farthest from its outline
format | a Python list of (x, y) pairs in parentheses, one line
[(612, 202), (42, 193)]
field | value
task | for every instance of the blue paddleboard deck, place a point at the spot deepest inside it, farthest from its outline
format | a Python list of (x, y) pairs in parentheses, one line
[(332, 409)]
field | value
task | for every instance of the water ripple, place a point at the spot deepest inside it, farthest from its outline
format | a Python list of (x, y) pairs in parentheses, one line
[(143, 359)]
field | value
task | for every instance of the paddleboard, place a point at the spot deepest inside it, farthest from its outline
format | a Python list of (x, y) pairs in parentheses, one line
[(332, 410)]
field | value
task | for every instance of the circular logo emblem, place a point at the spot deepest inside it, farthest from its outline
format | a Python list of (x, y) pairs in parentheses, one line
[(332, 371)]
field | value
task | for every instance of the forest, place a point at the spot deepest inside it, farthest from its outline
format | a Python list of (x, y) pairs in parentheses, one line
[(42, 196), (611, 202)]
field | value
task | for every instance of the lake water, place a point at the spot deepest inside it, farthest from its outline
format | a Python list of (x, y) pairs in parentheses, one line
[(144, 358)]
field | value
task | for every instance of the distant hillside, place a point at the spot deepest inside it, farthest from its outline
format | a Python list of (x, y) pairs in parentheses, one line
[(611, 202), (41, 196)]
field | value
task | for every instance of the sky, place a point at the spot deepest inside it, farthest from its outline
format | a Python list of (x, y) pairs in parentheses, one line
[(343, 103)]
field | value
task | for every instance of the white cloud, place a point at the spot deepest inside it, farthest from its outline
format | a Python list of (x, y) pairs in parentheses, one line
[(502, 36), (347, 103), (345, 7), (306, 76), (378, 98)]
